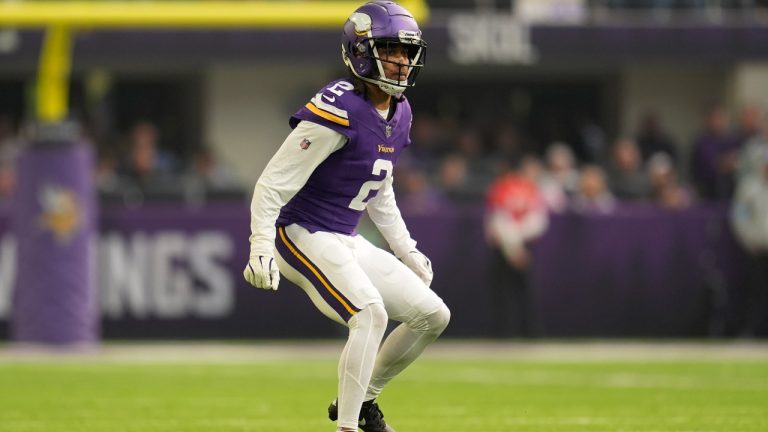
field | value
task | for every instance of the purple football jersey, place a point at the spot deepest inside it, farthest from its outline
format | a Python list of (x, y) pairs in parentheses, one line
[(334, 197)]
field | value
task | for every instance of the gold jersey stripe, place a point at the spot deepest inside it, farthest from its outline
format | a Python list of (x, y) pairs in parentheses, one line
[(312, 268), (326, 115)]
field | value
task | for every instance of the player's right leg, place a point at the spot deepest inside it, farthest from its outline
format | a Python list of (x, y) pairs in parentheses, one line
[(324, 266)]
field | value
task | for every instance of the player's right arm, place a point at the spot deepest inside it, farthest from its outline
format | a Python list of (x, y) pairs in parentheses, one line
[(306, 147)]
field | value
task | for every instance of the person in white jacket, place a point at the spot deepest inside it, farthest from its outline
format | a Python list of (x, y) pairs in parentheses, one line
[(749, 218)]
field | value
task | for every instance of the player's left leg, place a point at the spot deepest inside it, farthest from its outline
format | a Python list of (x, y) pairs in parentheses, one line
[(407, 299)]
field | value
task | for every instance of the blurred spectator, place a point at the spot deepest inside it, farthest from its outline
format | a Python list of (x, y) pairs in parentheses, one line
[(750, 124), (666, 190), (651, 138), (749, 217), (145, 157), (7, 176), (627, 179), (515, 217), (593, 144), (148, 169), (107, 179), (714, 157), (215, 174), (551, 191), (750, 158), (416, 195), (452, 176), (428, 137), (507, 143), (9, 139), (7, 131), (561, 167), (471, 146), (209, 178), (9, 148), (593, 195), (456, 181)]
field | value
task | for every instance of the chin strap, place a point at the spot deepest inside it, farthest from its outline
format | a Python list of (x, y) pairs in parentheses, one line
[(388, 88)]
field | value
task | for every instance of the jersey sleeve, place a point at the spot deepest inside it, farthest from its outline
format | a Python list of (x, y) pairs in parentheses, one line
[(326, 109), (306, 147), (383, 211)]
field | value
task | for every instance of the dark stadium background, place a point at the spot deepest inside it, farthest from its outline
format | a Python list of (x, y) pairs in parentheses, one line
[(550, 72)]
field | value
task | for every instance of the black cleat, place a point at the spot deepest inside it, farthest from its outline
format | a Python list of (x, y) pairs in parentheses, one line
[(371, 418)]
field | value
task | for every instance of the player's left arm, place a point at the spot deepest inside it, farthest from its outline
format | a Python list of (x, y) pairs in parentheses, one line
[(384, 212)]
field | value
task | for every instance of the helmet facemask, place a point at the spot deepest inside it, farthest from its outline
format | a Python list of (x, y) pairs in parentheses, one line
[(415, 54)]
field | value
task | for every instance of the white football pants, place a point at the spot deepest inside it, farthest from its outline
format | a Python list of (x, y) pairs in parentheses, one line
[(359, 285)]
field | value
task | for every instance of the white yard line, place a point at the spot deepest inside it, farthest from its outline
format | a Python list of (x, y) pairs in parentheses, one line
[(262, 350), (564, 351), (574, 379)]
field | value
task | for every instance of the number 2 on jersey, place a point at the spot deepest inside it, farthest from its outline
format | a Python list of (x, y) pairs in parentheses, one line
[(343, 85), (381, 165)]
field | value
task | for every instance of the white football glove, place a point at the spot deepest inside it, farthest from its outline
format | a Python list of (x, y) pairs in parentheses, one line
[(420, 264), (262, 272)]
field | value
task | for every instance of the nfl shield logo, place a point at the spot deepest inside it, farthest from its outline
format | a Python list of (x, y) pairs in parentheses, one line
[(305, 143), (388, 131)]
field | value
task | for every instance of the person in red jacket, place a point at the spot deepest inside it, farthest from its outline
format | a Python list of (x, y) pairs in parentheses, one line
[(516, 215)]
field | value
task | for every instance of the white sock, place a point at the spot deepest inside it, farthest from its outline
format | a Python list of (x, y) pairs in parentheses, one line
[(403, 346), (366, 330)]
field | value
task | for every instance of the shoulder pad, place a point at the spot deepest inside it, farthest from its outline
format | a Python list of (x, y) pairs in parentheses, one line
[(332, 101)]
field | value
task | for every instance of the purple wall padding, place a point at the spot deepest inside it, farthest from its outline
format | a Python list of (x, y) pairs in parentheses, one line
[(54, 300)]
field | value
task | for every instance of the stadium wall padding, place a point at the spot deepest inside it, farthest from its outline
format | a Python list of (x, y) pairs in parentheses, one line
[(168, 271)]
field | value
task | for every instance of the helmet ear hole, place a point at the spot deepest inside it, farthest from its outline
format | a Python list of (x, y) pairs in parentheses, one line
[(364, 67)]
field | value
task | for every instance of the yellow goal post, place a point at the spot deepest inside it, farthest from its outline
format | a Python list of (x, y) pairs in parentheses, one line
[(61, 18)]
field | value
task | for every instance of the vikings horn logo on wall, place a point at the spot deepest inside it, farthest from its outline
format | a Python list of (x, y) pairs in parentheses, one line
[(61, 212)]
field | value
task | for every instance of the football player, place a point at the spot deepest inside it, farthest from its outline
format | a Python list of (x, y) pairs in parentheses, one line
[(336, 163)]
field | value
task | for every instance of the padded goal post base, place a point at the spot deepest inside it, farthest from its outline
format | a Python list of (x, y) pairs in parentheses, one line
[(53, 216)]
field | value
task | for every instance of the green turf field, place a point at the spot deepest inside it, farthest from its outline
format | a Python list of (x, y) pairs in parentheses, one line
[(473, 392)]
